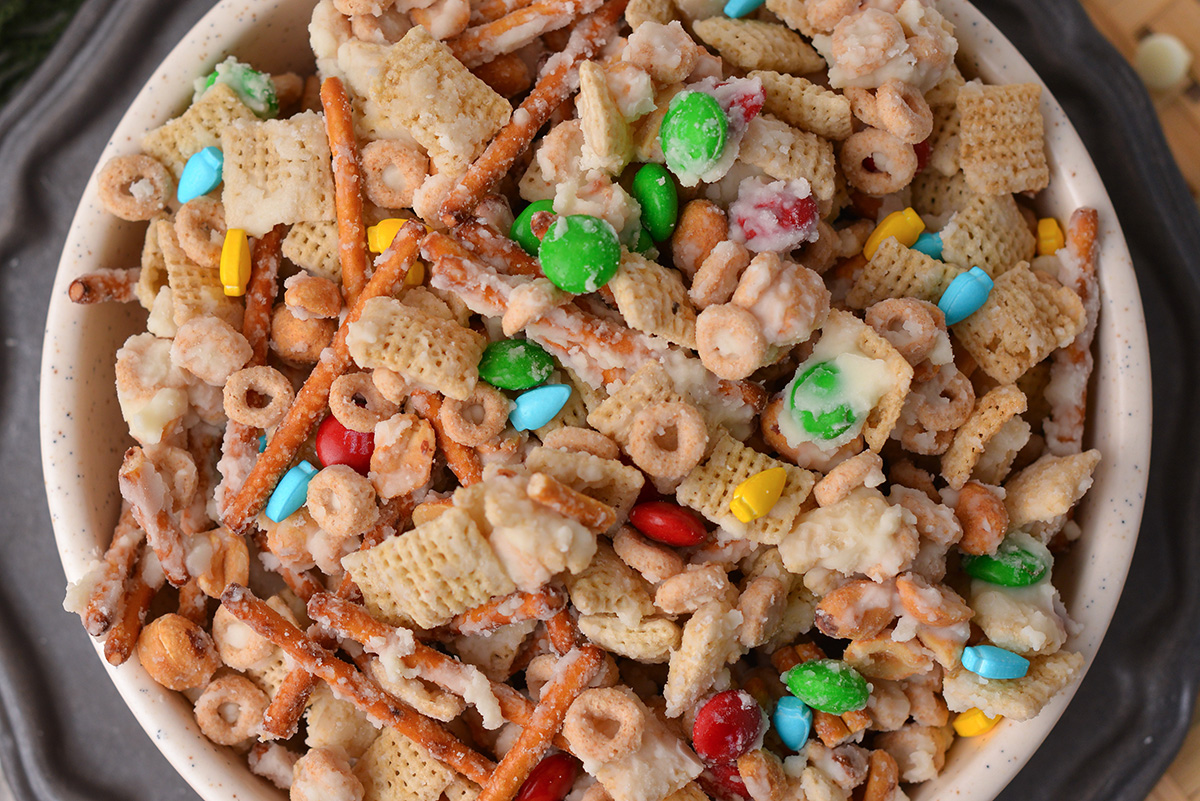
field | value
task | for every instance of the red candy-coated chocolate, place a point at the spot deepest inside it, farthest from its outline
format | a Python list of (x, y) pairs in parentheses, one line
[(723, 782), (551, 780), (337, 444), (727, 726), (745, 104), (668, 523)]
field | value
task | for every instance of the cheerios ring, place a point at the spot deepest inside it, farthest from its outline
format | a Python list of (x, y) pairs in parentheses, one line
[(730, 341), (476, 420), (341, 501), (200, 229), (893, 163), (668, 439), (251, 703), (903, 112), (265, 381), (605, 724), (343, 402), (134, 187), (392, 172)]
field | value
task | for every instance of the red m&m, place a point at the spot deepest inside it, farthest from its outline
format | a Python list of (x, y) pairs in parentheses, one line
[(668, 523), (337, 444), (727, 726), (551, 780)]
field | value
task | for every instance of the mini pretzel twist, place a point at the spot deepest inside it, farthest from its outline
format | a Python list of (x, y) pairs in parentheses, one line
[(604, 725), (134, 188), (344, 395), (478, 419), (265, 382), (213, 704), (667, 440)]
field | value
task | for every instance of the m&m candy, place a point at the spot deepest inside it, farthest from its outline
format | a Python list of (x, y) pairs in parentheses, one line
[(580, 253), (828, 685), (515, 364), (668, 523), (654, 189), (693, 133)]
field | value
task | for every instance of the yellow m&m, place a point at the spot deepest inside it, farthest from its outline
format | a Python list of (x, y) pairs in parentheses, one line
[(758, 494)]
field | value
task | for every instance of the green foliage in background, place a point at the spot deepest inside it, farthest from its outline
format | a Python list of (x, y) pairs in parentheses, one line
[(28, 29)]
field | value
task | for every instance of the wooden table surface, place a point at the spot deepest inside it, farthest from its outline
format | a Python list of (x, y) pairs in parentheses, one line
[(1125, 22)]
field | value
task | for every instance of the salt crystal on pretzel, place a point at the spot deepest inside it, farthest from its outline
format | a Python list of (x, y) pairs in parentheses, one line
[(314, 246), (348, 682), (516, 29), (277, 171), (552, 88), (1002, 139), (988, 232), (104, 285), (752, 45), (197, 128), (1071, 366), (348, 187), (1026, 317), (313, 397)]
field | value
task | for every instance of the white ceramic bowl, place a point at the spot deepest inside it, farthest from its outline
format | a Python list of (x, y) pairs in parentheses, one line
[(83, 434)]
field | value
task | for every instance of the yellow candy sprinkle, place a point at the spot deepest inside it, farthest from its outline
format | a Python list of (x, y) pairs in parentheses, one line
[(758, 494), (380, 236), (905, 225), (973, 723), (416, 274), (1049, 236), (235, 262)]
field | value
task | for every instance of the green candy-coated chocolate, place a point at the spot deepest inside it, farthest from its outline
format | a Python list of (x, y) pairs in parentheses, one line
[(644, 242), (1011, 565), (821, 382), (521, 233), (580, 253), (828, 685), (515, 364), (256, 89), (654, 189), (693, 133)]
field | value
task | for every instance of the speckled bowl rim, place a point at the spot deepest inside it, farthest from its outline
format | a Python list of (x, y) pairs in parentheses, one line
[(77, 403)]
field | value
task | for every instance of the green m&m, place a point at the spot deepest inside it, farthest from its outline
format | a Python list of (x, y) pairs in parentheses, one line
[(828, 685), (515, 364), (254, 88), (580, 253), (521, 233), (654, 189), (817, 402), (693, 133), (1019, 561)]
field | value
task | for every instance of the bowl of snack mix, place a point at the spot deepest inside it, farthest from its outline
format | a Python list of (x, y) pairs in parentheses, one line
[(632, 400)]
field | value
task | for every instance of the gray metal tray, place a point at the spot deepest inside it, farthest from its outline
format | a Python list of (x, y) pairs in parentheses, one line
[(66, 735)]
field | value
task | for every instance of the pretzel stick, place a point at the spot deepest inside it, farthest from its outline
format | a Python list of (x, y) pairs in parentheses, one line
[(313, 397), (147, 494), (497, 250), (347, 682), (552, 88), (347, 183), (573, 674), (1071, 367), (103, 285), (261, 291), (514, 30), (489, 616), (463, 461), (563, 633), (490, 10), (553, 494), (108, 588), (139, 592), (283, 715)]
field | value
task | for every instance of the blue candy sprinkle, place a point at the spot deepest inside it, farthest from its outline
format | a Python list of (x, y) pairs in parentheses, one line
[(538, 406), (965, 295), (262, 442), (930, 245), (740, 8), (991, 662), (291, 492), (201, 174), (793, 721)]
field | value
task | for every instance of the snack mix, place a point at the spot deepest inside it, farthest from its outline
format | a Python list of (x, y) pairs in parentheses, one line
[(733, 466)]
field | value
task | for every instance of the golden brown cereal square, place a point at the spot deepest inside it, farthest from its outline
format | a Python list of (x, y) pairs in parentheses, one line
[(786, 153), (277, 171), (895, 271), (449, 111), (651, 639), (430, 574), (1003, 147), (649, 385), (197, 128), (314, 246), (805, 105), (991, 412), (752, 45), (709, 488), (396, 768), (606, 480), (990, 233), (196, 291), (710, 639), (1026, 317), (946, 91), (420, 346), (653, 299), (937, 194), (607, 139), (1018, 699), (154, 267), (608, 586), (1049, 487)]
